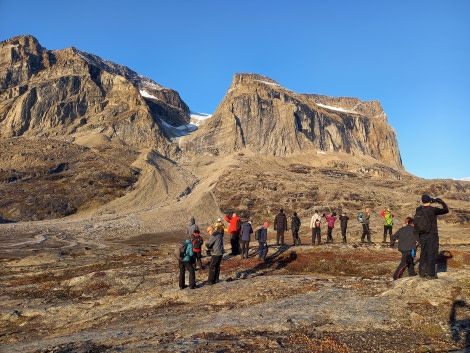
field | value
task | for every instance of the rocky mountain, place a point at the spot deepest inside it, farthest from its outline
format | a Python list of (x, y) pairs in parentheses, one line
[(70, 94), (83, 136), (259, 114)]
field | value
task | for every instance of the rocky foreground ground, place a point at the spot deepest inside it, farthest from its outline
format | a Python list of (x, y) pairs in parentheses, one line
[(64, 292)]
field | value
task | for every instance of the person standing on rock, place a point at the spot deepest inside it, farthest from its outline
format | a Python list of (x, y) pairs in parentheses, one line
[(407, 243), (234, 231), (246, 232), (344, 225), (263, 241), (366, 226), (295, 226), (216, 245), (331, 224), (315, 226), (387, 215), (280, 226), (429, 240), (186, 264), (192, 226)]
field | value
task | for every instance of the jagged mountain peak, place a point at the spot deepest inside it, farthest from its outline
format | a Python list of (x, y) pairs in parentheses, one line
[(69, 93), (259, 114)]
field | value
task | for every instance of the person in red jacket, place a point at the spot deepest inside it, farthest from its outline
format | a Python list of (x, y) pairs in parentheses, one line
[(331, 224), (234, 231), (197, 242)]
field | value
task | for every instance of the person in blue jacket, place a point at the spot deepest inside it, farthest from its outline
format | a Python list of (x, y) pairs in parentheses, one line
[(186, 264), (263, 242)]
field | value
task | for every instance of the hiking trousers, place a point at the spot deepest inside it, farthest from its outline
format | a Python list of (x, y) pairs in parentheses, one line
[(343, 234), (316, 233), (245, 248), (329, 236), (365, 232), (387, 229), (186, 266), (295, 236), (407, 262), (235, 243), (263, 251), (280, 237), (214, 269), (198, 259), (429, 252)]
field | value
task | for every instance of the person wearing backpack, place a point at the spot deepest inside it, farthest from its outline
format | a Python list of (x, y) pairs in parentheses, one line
[(280, 226), (216, 245), (344, 225), (263, 242), (407, 243), (246, 232), (426, 227), (185, 264), (331, 224), (315, 223), (387, 215), (234, 231), (295, 226), (366, 226), (197, 242)]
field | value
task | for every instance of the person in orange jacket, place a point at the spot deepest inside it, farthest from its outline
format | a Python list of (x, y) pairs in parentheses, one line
[(234, 231)]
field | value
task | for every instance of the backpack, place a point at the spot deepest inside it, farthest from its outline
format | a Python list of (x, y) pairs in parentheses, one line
[(317, 223), (197, 242), (359, 217), (258, 234), (421, 221), (388, 219), (180, 250)]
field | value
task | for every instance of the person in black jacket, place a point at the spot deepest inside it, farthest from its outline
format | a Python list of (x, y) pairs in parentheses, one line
[(280, 226), (295, 226), (430, 241), (344, 225), (407, 243)]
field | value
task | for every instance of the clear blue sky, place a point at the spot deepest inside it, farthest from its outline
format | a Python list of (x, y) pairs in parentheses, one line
[(412, 56)]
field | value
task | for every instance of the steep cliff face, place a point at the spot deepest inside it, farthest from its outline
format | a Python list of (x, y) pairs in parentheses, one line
[(259, 114), (71, 93)]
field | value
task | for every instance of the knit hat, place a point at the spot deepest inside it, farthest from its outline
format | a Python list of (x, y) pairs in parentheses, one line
[(266, 224), (426, 199)]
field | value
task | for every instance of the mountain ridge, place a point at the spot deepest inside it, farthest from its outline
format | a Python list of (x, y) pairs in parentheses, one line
[(334, 152)]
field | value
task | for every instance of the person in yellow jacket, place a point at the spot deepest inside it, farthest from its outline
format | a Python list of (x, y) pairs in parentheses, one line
[(218, 223)]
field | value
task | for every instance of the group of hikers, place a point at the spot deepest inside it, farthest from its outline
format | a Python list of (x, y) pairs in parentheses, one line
[(418, 231)]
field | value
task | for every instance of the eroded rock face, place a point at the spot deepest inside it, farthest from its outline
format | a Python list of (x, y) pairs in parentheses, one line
[(71, 93), (259, 114)]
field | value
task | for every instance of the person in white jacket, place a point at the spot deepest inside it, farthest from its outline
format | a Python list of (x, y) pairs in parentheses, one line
[(315, 223)]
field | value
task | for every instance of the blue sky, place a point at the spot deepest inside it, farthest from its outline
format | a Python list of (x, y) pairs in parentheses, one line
[(412, 56)]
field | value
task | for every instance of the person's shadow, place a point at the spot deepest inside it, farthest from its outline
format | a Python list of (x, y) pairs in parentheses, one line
[(442, 260), (459, 323), (273, 262)]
